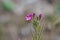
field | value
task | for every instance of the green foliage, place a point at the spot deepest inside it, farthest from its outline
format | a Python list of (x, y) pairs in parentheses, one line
[(7, 5), (57, 25), (51, 18), (58, 7), (35, 23), (37, 28)]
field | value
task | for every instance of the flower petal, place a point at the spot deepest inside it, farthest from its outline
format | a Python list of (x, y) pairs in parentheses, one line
[(40, 15), (29, 16)]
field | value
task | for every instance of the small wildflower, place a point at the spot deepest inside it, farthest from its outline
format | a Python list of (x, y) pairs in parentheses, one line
[(29, 16), (40, 15), (36, 24)]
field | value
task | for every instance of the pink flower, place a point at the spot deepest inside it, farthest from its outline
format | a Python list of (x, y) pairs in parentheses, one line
[(40, 15), (19, 39), (29, 16)]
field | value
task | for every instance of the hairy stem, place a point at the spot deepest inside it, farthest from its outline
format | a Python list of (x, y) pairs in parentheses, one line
[(37, 27)]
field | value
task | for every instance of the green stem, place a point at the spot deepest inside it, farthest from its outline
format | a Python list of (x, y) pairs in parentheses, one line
[(37, 27)]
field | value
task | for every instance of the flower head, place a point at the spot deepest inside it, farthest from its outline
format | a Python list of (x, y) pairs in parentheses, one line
[(29, 16), (40, 15), (19, 39)]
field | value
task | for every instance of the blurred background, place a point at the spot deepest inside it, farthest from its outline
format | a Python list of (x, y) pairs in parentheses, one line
[(12, 19)]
